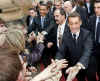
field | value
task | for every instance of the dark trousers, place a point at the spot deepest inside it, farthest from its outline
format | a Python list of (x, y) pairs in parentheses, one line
[(97, 55), (48, 54), (92, 69), (98, 67)]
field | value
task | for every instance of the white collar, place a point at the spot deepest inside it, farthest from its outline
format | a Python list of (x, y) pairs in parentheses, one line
[(74, 9), (77, 34)]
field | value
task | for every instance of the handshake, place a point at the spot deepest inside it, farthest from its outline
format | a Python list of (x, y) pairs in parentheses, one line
[(39, 38)]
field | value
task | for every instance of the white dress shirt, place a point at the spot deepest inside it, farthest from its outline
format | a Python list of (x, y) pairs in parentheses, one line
[(97, 20), (77, 34), (60, 31), (42, 21)]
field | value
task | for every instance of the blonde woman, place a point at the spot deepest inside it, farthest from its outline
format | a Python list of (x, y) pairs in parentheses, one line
[(14, 43)]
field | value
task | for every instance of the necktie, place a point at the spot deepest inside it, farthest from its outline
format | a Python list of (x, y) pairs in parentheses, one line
[(74, 37), (42, 22), (31, 20), (98, 32), (60, 36)]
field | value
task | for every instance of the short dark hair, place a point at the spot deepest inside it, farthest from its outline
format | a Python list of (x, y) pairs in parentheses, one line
[(62, 11), (10, 66), (32, 9), (41, 2), (74, 14), (44, 4)]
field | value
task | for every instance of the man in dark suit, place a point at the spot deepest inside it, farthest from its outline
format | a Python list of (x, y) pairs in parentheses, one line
[(89, 7), (30, 20), (55, 35), (76, 48), (94, 28), (43, 20)]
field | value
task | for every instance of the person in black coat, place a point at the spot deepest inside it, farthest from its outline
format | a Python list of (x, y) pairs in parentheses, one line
[(76, 48), (94, 28), (30, 20), (43, 21), (53, 38), (89, 7)]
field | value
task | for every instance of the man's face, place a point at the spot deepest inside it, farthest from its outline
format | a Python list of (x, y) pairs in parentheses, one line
[(68, 7), (58, 5), (74, 24), (58, 17), (43, 10), (97, 9), (32, 13)]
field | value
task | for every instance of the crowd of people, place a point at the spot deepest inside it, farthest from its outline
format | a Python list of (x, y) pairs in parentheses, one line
[(64, 36)]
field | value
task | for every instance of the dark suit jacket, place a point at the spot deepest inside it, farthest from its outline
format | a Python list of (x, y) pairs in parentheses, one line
[(92, 25), (52, 37), (52, 34), (47, 22), (91, 9), (31, 27), (83, 14), (92, 28), (73, 52)]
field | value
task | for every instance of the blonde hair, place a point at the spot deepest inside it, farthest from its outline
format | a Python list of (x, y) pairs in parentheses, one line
[(14, 40)]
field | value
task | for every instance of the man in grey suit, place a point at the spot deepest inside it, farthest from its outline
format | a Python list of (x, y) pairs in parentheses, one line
[(76, 48)]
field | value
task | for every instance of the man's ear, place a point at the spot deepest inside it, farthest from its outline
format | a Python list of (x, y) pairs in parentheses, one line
[(80, 22)]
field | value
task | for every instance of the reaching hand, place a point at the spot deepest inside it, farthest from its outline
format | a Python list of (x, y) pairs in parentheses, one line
[(72, 72), (60, 64), (40, 38), (52, 70)]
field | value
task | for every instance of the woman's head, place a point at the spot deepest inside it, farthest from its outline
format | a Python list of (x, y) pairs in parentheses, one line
[(13, 39)]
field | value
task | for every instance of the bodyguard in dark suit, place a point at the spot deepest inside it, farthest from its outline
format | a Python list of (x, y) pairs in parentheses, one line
[(55, 34), (83, 14), (76, 48), (94, 27), (89, 7), (42, 21), (30, 20)]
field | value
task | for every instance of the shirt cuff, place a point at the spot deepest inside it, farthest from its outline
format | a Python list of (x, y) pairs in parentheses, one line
[(80, 65)]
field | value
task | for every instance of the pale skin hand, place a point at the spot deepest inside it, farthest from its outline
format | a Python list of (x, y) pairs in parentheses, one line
[(40, 38), (72, 72), (50, 44), (60, 63), (32, 36), (51, 70)]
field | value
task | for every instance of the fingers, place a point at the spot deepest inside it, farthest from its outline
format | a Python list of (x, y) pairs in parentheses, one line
[(53, 61), (61, 64), (40, 37), (72, 72), (68, 70), (69, 77)]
